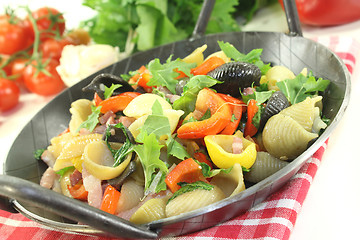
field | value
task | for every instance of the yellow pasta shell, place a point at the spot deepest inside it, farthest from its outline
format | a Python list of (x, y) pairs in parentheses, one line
[(220, 151), (277, 74), (196, 56), (74, 148), (98, 161), (285, 138), (80, 110), (58, 143), (151, 210), (142, 105)]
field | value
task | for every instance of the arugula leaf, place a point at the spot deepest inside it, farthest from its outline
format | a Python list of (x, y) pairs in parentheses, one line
[(261, 94), (92, 120), (164, 74), (252, 57), (301, 87), (208, 172), (175, 149), (149, 153), (188, 98), (189, 187), (38, 153), (109, 91), (64, 170)]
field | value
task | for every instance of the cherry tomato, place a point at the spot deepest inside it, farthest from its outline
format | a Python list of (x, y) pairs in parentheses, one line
[(40, 83), (9, 94), (49, 21), (52, 48), (13, 37), (17, 70)]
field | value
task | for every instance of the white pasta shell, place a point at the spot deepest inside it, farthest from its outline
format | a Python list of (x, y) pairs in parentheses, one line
[(285, 138), (142, 105), (277, 74), (80, 110), (230, 183), (303, 112), (193, 200), (74, 148), (131, 194), (151, 210), (264, 166)]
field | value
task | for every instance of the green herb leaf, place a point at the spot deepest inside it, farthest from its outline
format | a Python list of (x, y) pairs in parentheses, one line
[(92, 120), (149, 153), (38, 153), (62, 171), (188, 98), (189, 187), (208, 173), (301, 87), (175, 149), (109, 91)]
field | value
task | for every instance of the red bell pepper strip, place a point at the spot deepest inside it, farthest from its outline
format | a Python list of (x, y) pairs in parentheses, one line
[(327, 12), (110, 199), (201, 157), (220, 116), (117, 103), (186, 171), (97, 99), (78, 191), (143, 80), (236, 106), (252, 108), (208, 65)]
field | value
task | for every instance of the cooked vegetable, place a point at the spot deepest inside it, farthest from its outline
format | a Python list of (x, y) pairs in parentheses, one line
[(110, 199)]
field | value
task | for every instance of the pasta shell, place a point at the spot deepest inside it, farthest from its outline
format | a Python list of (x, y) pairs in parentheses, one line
[(142, 105), (303, 112), (196, 56), (264, 166), (74, 148), (131, 194), (58, 143), (285, 138), (80, 110), (98, 160), (193, 200), (230, 183), (277, 74), (151, 210)]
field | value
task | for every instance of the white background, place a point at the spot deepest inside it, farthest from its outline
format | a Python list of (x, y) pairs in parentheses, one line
[(332, 208)]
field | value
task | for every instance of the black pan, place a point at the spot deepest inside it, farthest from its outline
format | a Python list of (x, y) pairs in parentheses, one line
[(20, 184)]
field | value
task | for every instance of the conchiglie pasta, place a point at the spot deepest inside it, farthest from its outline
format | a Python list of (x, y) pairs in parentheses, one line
[(304, 112), (219, 54), (196, 56), (193, 200), (277, 74), (264, 166), (131, 194), (285, 138), (80, 110), (74, 148), (151, 210), (58, 143), (230, 183)]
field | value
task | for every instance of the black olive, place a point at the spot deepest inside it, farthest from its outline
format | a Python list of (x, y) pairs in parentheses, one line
[(275, 104), (106, 79), (235, 77)]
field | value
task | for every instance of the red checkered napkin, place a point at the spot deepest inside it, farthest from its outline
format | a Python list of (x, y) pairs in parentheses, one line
[(273, 218)]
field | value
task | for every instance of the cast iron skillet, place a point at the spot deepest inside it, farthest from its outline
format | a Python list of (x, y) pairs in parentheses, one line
[(23, 172)]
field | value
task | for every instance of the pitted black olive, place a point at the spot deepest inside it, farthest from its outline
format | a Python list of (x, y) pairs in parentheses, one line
[(275, 104), (106, 79), (235, 76)]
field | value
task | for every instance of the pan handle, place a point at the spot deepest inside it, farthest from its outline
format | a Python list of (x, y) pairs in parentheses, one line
[(203, 19), (29, 192), (292, 18)]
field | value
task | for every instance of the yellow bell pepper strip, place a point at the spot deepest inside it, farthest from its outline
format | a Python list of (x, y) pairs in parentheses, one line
[(207, 66), (236, 107), (187, 171), (110, 200), (117, 103), (220, 151), (252, 108), (220, 116)]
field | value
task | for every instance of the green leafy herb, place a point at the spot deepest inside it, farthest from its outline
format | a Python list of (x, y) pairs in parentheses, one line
[(261, 94), (188, 98), (174, 148), (164, 74), (149, 153), (109, 91), (252, 57), (92, 120), (301, 87), (208, 172), (189, 187), (62, 171), (38, 153)]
